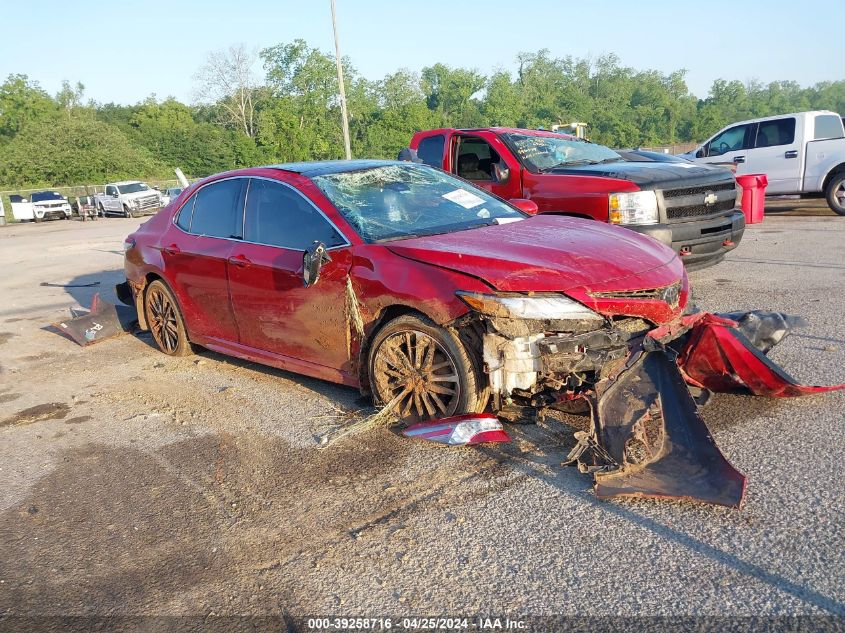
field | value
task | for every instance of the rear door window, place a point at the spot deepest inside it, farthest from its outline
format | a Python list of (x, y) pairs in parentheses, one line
[(777, 132), (827, 126), (277, 215), (430, 150), (217, 209), (183, 220)]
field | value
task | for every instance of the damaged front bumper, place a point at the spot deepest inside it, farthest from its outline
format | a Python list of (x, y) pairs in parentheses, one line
[(646, 438)]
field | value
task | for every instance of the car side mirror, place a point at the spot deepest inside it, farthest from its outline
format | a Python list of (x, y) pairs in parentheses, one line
[(501, 173), (526, 206), (115, 195), (312, 261), (700, 153)]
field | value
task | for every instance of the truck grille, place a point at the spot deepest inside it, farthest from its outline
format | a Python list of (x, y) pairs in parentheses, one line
[(149, 202), (689, 202)]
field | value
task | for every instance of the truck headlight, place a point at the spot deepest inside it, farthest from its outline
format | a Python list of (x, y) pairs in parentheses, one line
[(636, 207), (738, 201), (524, 307)]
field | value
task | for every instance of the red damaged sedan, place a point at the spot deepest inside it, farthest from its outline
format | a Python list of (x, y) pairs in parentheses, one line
[(441, 299)]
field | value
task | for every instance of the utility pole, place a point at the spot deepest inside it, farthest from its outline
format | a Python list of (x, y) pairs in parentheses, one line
[(343, 113)]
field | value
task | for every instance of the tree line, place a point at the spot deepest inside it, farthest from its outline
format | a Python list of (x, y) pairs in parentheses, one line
[(292, 113)]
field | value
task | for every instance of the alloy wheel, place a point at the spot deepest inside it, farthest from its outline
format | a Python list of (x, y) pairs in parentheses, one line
[(418, 374), (163, 321)]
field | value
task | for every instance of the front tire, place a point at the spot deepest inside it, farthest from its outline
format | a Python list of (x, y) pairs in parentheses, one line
[(165, 320), (127, 212), (835, 193), (425, 370)]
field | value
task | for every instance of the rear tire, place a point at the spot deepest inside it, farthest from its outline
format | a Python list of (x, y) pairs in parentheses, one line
[(835, 193), (165, 320), (426, 368)]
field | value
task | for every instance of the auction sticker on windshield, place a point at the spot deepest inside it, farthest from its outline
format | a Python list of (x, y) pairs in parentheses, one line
[(465, 198)]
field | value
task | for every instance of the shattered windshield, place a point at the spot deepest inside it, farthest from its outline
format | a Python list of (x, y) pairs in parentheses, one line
[(133, 187), (541, 153), (401, 201)]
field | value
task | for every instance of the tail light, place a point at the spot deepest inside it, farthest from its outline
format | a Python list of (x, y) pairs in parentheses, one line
[(461, 430)]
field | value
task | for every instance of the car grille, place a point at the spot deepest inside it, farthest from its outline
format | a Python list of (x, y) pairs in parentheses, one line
[(149, 202), (688, 202), (669, 294)]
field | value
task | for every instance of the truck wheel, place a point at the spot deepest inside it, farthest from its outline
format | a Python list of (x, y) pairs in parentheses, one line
[(425, 370), (37, 219), (835, 193), (165, 320), (126, 212), (100, 210)]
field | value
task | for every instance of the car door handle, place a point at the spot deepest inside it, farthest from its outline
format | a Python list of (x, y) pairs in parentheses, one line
[(242, 261), (739, 159), (173, 249), (793, 153)]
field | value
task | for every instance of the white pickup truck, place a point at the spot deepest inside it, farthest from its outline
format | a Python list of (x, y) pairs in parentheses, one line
[(802, 153), (128, 198)]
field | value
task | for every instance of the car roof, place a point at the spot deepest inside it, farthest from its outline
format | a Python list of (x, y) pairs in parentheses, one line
[(126, 182), (783, 116), (323, 167)]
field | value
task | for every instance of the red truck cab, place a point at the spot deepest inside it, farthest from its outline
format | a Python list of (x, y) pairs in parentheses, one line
[(693, 209)]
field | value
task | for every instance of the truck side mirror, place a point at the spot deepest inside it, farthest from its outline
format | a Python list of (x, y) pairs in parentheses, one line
[(501, 173), (700, 153), (312, 261)]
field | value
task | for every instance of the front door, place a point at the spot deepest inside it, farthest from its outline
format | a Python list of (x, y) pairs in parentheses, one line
[(474, 159), (730, 147), (274, 311)]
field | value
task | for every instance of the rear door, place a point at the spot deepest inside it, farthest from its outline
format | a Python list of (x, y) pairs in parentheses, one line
[(196, 250), (776, 153), (274, 311)]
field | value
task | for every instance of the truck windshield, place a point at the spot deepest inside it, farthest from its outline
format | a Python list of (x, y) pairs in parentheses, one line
[(395, 202), (133, 187), (541, 153)]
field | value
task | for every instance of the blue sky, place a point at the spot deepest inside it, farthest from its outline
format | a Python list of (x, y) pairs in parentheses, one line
[(125, 51)]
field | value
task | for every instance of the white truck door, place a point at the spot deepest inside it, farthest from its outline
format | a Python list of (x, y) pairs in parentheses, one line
[(729, 147), (111, 201), (22, 208), (778, 152)]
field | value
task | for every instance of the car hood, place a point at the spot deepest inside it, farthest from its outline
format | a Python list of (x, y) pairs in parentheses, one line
[(548, 253), (651, 175)]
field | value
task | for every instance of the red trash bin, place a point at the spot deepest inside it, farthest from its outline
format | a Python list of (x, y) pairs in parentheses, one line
[(753, 196)]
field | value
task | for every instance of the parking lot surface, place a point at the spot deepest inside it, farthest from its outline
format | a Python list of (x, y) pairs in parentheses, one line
[(132, 483)]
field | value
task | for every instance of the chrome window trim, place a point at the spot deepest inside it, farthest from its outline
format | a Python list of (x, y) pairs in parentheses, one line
[(243, 215)]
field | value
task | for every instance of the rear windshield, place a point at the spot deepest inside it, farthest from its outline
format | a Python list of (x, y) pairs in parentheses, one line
[(401, 201)]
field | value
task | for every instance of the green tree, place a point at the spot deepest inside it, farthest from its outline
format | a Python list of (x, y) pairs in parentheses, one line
[(22, 102), (73, 150)]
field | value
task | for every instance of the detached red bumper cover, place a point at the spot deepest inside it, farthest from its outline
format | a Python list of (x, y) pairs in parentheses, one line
[(647, 439), (719, 356)]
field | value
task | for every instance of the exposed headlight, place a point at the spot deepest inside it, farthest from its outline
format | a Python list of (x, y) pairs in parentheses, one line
[(636, 207), (522, 307)]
